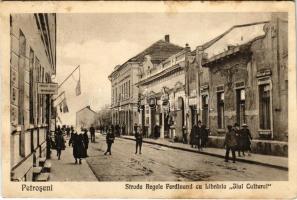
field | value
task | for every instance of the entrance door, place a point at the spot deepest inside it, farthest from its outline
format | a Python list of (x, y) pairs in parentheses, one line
[(205, 110)]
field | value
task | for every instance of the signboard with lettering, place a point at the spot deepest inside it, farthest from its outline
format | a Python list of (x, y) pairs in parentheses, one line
[(47, 88)]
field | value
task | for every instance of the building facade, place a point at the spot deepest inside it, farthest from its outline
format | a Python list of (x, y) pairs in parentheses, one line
[(125, 92), (32, 60), (163, 96), (85, 118), (248, 80)]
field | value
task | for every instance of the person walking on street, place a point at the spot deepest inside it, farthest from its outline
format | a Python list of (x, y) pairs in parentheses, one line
[(198, 135), (185, 135), (109, 140), (138, 138), (204, 136), (92, 132), (192, 135), (78, 147), (246, 139), (230, 143), (60, 144), (238, 139), (86, 141)]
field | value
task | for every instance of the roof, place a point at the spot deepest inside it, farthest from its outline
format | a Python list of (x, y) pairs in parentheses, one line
[(244, 48), (87, 107), (158, 51)]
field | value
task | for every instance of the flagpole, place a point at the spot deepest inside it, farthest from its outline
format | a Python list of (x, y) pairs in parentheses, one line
[(69, 76)]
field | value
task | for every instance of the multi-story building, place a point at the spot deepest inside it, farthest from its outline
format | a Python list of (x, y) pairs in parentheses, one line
[(125, 94), (248, 78), (32, 60), (162, 94)]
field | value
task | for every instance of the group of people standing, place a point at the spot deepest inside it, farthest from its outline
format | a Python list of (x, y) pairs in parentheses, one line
[(79, 141), (199, 136), (237, 139)]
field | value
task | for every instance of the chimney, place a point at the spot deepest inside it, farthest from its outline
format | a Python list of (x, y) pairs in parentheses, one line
[(167, 39)]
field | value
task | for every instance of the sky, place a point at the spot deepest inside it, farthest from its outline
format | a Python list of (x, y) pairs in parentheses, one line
[(98, 42)]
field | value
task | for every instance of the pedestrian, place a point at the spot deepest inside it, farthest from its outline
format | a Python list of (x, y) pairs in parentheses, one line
[(86, 141), (192, 135), (204, 136), (68, 131), (92, 132), (238, 139), (109, 140), (78, 146), (57, 132), (156, 131), (198, 134), (185, 135), (60, 144), (230, 143), (138, 138), (246, 139)]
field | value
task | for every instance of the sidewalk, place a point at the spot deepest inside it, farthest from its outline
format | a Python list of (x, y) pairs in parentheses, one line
[(66, 170), (259, 159)]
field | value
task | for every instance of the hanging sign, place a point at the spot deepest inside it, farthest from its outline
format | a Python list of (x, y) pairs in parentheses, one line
[(47, 88)]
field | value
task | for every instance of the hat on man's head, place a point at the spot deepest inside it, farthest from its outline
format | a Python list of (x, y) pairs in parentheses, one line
[(199, 122), (244, 125)]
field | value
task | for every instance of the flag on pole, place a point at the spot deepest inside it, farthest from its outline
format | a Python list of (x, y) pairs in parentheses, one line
[(65, 107), (77, 89)]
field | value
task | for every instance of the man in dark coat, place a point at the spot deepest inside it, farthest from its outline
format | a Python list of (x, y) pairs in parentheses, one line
[(60, 144), (138, 138), (198, 135), (92, 132), (86, 141), (192, 135), (236, 129), (204, 136), (246, 139), (78, 146), (109, 141), (230, 143)]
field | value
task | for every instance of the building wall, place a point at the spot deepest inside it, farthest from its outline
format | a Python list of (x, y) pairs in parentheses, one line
[(265, 61), (28, 135), (124, 107), (85, 118)]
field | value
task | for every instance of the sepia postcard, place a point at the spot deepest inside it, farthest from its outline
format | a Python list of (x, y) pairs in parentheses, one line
[(148, 99)]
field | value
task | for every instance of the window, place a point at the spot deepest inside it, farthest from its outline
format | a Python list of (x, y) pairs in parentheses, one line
[(264, 106), (240, 106), (220, 105), (21, 70), (129, 89), (31, 85), (37, 96)]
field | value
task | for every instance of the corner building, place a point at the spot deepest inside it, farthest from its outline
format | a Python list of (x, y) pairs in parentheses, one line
[(32, 60)]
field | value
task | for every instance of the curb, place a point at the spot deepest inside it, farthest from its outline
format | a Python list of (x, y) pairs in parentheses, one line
[(212, 154)]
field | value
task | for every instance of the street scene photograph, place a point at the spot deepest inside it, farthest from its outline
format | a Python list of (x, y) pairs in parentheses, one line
[(123, 97)]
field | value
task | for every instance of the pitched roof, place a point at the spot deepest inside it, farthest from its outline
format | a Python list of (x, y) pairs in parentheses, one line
[(87, 107), (159, 51)]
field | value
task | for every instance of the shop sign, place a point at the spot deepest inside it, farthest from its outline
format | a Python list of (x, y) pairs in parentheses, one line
[(47, 88), (192, 101), (262, 73)]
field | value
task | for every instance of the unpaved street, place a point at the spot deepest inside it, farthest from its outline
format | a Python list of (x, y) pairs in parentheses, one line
[(157, 163)]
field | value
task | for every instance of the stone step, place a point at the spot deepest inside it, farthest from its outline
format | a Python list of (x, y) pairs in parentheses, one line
[(37, 170), (43, 177), (42, 161), (47, 166)]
